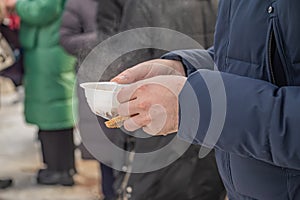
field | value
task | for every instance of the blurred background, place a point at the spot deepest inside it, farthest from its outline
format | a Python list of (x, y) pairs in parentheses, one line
[(20, 156)]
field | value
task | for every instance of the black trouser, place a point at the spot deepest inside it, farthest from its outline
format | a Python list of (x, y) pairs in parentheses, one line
[(58, 149), (107, 181)]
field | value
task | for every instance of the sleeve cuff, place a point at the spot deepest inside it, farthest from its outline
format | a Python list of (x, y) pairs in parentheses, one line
[(192, 126), (188, 68), (192, 59)]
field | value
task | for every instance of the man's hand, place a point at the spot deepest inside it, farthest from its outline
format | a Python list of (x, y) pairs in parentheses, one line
[(152, 104), (150, 69)]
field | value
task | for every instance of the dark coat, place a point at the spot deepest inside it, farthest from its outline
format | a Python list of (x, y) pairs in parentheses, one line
[(78, 32), (78, 36), (257, 49), (195, 18), (188, 177)]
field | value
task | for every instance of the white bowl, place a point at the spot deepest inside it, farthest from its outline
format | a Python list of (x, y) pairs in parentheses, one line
[(102, 98)]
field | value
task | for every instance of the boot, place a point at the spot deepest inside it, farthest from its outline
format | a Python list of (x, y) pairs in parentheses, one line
[(58, 154), (47, 177), (5, 183)]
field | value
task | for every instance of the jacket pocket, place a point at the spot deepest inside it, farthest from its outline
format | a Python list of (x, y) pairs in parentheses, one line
[(293, 183), (276, 58), (224, 166), (257, 179)]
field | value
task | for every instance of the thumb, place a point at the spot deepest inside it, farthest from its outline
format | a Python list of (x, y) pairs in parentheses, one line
[(122, 78), (133, 74), (126, 77)]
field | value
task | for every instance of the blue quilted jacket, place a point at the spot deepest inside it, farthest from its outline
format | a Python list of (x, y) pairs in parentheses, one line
[(257, 50)]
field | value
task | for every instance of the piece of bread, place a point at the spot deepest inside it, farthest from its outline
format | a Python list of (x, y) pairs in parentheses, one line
[(116, 122)]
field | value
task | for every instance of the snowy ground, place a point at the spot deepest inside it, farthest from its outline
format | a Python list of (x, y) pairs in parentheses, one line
[(20, 159)]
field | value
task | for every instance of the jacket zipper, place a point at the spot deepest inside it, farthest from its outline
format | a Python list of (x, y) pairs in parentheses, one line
[(123, 195), (270, 57)]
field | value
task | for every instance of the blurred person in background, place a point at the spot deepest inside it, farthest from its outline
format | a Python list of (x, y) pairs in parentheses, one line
[(8, 29), (78, 31), (186, 178), (78, 35), (49, 80)]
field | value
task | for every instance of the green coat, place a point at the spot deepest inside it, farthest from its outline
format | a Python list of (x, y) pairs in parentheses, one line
[(49, 70)]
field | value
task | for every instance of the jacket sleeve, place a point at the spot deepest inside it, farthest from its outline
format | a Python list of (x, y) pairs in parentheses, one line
[(39, 12), (72, 37), (193, 59), (261, 120)]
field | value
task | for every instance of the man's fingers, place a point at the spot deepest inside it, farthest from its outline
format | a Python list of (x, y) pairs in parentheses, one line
[(128, 76), (136, 122), (133, 74), (122, 78), (129, 108), (127, 93), (131, 91)]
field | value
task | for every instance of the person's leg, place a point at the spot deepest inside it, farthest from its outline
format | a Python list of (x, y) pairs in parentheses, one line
[(42, 146), (58, 154), (107, 182), (58, 149), (66, 148)]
